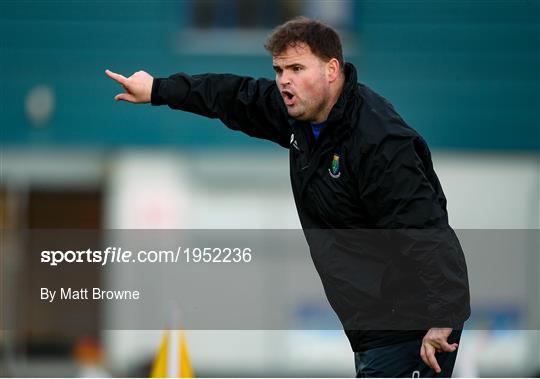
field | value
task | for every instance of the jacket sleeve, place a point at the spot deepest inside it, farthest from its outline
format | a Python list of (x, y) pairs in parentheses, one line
[(253, 106), (403, 196)]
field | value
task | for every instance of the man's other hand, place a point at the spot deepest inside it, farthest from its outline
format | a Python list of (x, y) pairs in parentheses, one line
[(434, 341), (138, 87)]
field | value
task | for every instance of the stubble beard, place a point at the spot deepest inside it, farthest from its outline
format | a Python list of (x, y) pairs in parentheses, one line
[(307, 112)]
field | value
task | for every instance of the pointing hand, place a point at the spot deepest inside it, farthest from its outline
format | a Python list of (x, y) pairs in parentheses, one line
[(138, 87)]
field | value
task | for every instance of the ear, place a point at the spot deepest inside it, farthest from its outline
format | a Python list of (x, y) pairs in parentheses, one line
[(332, 70)]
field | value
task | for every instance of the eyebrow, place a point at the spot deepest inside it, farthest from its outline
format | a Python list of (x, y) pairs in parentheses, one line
[(287, 66)]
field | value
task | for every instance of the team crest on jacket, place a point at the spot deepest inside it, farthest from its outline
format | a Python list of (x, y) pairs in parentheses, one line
[(334, 168)]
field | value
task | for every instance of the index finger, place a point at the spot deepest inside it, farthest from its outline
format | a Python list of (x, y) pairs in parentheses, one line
[(113, 75), (430, 355)]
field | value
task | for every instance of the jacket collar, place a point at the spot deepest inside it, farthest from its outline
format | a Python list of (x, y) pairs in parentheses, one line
[(349, 87)]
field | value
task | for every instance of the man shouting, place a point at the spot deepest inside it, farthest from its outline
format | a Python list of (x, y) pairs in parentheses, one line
[(371, 206)]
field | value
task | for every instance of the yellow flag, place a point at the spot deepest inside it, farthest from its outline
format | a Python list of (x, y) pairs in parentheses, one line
[(172, 359)]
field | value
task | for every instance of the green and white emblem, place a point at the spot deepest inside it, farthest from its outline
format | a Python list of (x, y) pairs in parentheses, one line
[(334, 169)]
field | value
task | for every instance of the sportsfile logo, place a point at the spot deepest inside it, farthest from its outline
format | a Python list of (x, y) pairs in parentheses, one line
[(180, 255), (110, 254)]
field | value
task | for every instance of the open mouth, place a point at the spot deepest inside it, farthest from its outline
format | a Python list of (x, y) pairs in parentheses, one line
[(288, 97)]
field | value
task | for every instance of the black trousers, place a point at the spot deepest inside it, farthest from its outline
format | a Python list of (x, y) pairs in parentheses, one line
[(402, 360)]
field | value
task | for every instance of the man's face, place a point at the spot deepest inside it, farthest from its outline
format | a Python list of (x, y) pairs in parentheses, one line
[(302, 80)]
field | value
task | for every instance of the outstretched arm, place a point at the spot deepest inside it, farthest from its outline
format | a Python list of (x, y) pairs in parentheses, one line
[(253, 106)]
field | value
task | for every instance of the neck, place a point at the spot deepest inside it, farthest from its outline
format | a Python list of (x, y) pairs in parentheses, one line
[(335, 92)]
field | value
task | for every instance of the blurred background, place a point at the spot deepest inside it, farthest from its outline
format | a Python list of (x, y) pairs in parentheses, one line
[(465, 74)]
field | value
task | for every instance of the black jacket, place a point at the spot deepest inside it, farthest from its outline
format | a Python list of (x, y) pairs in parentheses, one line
[(371, 206)]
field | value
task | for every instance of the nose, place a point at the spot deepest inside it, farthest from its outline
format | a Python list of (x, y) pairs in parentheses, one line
[(284, 79)]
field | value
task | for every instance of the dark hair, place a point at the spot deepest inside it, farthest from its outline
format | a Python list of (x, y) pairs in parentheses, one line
[(323, 41)]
